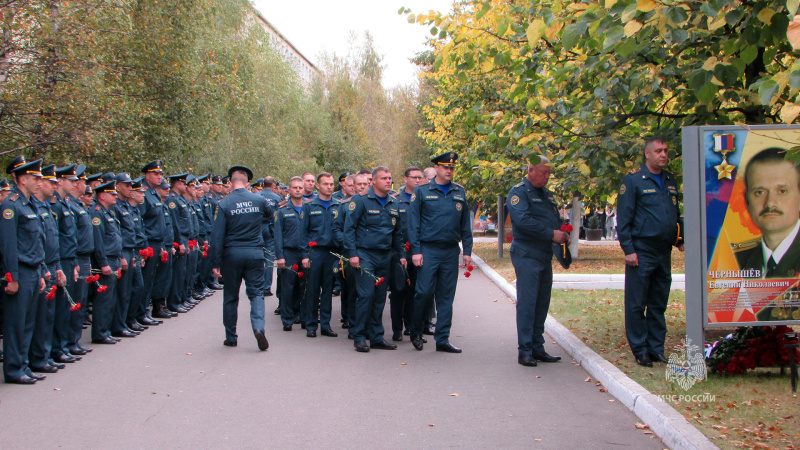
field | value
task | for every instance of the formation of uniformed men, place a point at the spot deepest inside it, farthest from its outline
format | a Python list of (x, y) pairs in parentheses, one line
[(121, 254)]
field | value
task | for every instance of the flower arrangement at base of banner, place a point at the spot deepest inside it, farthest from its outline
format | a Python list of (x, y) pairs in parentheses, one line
[(147, 253), (470, 268), (378, 280), (751, 347)]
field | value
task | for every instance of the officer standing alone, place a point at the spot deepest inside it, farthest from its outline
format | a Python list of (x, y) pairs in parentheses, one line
[(648, 225), (238, 244)]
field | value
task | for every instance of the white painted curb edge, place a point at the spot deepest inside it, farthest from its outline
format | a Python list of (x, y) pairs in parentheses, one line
[(673, 429)]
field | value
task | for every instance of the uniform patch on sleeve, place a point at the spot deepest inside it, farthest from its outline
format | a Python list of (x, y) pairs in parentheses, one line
[(171, 205), (96, 221), (459, 206), (8, 214), (674, 200), (413, 197), (352, 206), (514, 200), (335, 213), (622, 189), (394, 221)]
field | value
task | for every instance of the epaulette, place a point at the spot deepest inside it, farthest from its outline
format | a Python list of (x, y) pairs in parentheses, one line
[(14, 197), (746, 245), (53, 200), (462, 187), (634, 171), (97, 208), (520, 184)]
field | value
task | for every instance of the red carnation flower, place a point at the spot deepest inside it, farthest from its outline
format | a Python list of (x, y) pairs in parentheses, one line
[(312, 244), (567, 228), (150, 252), (9, 278), (205, 246), (52, 293), (295, 267), (75, 307), (299, 274), (407, 246), (467, 274), (205, 253), (164, 257), (176, 245), (102, 289), (119, 274), (470, 267), (379, 282)]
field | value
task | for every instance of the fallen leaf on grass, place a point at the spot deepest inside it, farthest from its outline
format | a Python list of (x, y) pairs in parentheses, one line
[(642, 426)]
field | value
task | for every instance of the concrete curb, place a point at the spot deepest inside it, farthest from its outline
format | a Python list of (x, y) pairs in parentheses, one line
[(673, 429)]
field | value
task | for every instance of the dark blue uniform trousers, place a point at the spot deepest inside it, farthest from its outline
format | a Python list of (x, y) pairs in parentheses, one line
[(269, 252), (242, 264), (41, 342), (292, 288), (80, 294), (177, 293), (436, 280), (61, 321), (163, 276), (103, 309), (534, 285), (191, 273), (149, 276), (319, 289), (119, 318), (646, 295), (368, 317), (138, 305), (19, 319), (402, 303)]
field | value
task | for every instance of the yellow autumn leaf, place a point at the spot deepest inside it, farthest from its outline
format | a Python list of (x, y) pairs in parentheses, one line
[(610, 3), (555, 27), (632, 27), (645, 5), (793, 33), (524, 141), (584, 169), (535, 31), (789, 112), (710, 63), (765, 15), (717, 22)]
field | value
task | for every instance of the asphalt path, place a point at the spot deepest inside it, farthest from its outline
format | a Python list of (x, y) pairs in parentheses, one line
[(176, 386)]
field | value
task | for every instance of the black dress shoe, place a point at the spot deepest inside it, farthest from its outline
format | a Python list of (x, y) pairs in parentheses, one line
[(64, 359), (416, 341), (297, 320), (181, 309), (644, 360), (428, 331), (277, 311), (36, 376), (311, 333), (57, 365), (115, 339), (382, 345), (81, 346), (346, 324), (133, 331), (149, 317), (447, 347), (228, 343), (329, 333), (215, 286), (658, 357), (24, 380), (136, 326), (544, 357), (161, 314), (407, 332), (75, 357), (44, 369), (123, 334), (107, 340), (302, 324), (287, 327), (361, 346), (268, 294), (77, 351), (197, 296), (263, 344), (336, 292), (527, 360), (350, 336), (397, 337)]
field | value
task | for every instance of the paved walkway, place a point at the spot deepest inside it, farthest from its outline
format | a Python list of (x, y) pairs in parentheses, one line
[(177, 386)]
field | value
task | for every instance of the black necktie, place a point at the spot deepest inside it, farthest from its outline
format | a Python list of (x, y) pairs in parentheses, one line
[(771, 266)]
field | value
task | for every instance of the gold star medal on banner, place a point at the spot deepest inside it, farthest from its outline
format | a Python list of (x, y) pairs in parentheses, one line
[(723, 143)]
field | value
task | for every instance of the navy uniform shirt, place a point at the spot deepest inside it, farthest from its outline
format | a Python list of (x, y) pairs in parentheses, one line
[(124, 213), (436, 218), (107, 237), (194, 234), (152, 212), (339, 215), (199, 208), (140, 239), (22, 235), (403, 206), (181, 217), (534, 217), (67, 227), (288, 230), (51, 246), (85, 228), (317, 224), (648, 212), (338, 196), (169, 233), (238, 223), (370, 225), (272, 201)]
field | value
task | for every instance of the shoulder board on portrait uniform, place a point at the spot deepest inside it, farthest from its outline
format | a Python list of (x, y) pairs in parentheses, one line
[(14, 197), (634, 171), (746, 245)]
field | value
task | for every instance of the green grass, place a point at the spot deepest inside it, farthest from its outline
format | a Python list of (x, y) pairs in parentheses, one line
[(754, 410)]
